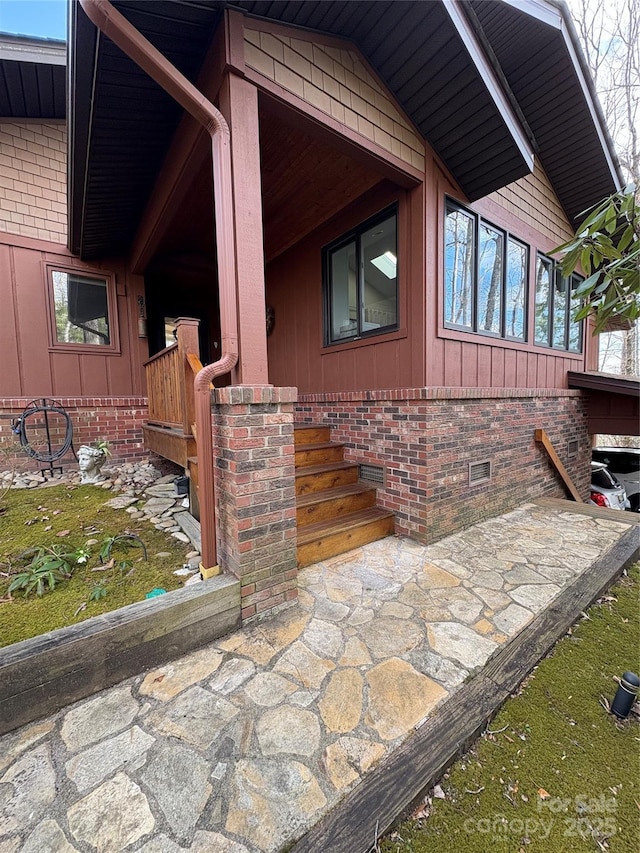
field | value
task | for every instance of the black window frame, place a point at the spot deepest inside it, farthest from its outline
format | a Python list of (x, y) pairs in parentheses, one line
[(354, 236), (475, 328), (571, 282)]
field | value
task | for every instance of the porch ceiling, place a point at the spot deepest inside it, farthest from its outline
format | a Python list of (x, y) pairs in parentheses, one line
[(438, 59)]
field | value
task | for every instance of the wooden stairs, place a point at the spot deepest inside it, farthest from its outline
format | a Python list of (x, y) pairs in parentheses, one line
[(335, 512)]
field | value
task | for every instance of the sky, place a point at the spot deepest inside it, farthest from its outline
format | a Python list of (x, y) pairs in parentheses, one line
[(44, 18)]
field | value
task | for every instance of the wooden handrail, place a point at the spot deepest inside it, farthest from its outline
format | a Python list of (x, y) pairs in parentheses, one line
[(543, 439), (170, 375), (194, 362), (158, 355), (196, 366)]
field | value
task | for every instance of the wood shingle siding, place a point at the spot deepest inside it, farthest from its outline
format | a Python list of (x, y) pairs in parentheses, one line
[(33, 180), (533, 200), (335, 81)]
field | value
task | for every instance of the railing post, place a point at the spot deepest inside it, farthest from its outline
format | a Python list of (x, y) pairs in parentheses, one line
[(187, 336)]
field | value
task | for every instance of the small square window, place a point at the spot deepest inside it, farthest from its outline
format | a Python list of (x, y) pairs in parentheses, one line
[(82, 310)]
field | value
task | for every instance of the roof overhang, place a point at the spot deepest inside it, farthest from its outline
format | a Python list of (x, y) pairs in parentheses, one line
[(611, 383), (32, 78), (537, 48), (437, 58), (613, 406)]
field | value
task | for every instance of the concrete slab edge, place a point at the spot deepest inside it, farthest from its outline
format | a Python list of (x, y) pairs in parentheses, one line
[(356, 823)]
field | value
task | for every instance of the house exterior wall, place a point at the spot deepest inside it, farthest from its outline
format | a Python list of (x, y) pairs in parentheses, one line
[(531, 200), (31, 365), (294, 290), (426, 439), (33, 180), (530, 211)]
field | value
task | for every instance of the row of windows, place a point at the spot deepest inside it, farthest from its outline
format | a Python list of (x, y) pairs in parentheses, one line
[(486, 283), (485, 288), (485, 277)]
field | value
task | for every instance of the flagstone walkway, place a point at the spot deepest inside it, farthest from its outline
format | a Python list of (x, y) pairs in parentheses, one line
[(244, 744)]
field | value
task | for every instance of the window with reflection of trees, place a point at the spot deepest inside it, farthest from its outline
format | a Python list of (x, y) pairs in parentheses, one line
[(486, 277), (554, 326)]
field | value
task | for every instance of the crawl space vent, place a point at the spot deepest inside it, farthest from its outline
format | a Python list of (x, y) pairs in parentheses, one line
[(479, 472), (572, 447), (372, 474)]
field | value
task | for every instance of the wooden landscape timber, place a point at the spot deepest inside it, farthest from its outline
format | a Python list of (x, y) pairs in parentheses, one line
[(43, 674), (367, 813)]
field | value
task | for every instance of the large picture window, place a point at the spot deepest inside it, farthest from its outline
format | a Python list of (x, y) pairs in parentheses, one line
[(554, 299), (361, 281), (82, 309), (486, 275)]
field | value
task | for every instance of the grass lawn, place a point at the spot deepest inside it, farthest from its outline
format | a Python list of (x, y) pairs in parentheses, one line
[(66, 517), (554, 772)]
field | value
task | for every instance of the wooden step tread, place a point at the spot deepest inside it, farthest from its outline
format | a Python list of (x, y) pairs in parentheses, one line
[(310, 470), (341, 525), (309, 426), (332, 494), (324, 445)]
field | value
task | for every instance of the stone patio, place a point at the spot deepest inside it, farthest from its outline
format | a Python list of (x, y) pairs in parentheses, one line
[(243, 745)]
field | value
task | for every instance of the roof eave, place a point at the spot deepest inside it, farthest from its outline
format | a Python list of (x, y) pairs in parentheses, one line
[(493, 84), (556, 14)]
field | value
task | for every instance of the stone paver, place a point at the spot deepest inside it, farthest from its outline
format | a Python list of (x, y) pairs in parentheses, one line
[(240, 746)]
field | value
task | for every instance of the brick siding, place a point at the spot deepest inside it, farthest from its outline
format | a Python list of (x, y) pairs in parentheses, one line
[(426, 438), (117, 420), (33, 180), (255, 494)]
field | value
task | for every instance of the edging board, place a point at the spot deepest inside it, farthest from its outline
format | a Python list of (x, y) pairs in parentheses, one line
[(43, 674), (356, 823)]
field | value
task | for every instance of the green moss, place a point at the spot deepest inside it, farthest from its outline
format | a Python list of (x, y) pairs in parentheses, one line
[(554, 737), (81, 511)]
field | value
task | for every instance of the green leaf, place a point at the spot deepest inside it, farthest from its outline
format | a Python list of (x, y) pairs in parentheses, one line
[(585, 260), (626, 238)]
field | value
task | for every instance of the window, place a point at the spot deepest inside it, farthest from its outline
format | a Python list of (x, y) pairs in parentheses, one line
[(485, 277), (554, 297), (361, 281), (82, 309)]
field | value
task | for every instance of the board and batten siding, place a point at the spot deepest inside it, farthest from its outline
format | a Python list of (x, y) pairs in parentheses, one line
[(335, 81), (297, 355), (29, 365), (33, 180)]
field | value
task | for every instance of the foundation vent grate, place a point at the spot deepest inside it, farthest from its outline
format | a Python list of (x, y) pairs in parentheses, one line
[(573, 445), (479, 472), (372, 474)]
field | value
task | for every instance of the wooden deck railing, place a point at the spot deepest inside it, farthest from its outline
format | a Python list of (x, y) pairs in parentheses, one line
[(170, 379)]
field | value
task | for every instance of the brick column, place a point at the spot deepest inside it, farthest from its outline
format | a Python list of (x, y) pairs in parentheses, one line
[(255, 494)]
